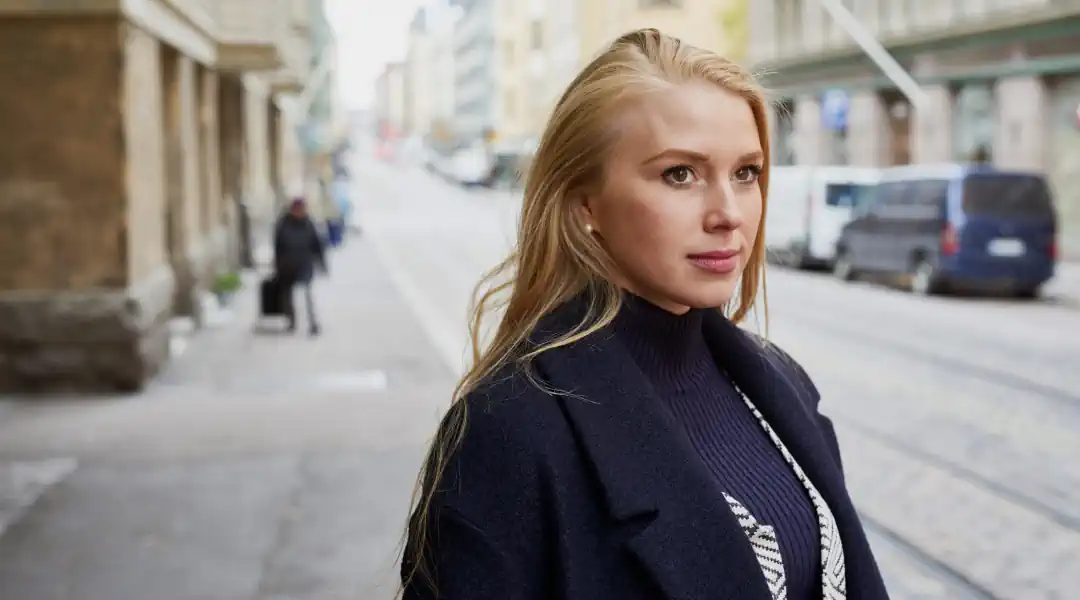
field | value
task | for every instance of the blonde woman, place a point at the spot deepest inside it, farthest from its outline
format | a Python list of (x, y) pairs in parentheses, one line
[(621, 438)]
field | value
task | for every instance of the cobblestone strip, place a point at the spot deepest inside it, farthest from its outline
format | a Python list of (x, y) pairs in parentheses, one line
[(1010, 551)]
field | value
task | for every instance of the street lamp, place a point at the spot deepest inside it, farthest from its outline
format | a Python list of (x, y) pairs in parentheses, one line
[(876, 51)]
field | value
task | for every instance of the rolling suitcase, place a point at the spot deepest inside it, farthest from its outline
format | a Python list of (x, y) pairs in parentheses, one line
[(271, 298)]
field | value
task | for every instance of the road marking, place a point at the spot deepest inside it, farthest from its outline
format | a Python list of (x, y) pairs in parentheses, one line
[(446, 342), (23, 483)]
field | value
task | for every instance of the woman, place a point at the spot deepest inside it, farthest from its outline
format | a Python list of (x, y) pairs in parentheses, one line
[(620, 438)]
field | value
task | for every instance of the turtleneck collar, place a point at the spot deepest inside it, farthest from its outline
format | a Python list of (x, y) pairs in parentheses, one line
[(665, 345)]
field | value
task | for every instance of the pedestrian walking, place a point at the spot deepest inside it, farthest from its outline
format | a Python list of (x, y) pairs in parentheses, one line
[(298, 251), (619, 435)]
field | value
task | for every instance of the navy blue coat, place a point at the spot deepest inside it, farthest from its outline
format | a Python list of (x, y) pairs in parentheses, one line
[(298, 249), (595, 497)]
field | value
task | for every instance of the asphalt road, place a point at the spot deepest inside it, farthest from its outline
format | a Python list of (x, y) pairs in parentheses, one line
[(263, 467), (958, 418)]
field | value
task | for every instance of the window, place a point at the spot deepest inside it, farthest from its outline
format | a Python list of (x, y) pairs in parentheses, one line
[(1007, 195), (845, 194), (930, 193), (891, 197), (926, 199), (865, 198)]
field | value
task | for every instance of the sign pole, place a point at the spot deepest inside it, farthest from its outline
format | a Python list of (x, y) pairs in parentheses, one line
[(876, 52)]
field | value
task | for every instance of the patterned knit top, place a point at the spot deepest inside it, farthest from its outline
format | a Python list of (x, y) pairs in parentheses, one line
[(788, 524)]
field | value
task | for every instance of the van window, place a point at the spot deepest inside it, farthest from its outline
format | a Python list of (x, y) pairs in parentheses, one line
[(845, 195), (928, 199), (1006, 195), (930, 193)]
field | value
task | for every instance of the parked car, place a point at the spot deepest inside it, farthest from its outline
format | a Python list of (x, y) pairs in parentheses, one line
[(954, 226), (808, 207)]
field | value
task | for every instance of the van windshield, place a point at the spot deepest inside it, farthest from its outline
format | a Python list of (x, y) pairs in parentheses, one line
[(848, 195), (1007, 195)]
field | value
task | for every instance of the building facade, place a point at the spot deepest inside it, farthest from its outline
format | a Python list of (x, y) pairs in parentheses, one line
[(1002, 78), (717, 25), (135, 140), (391, 102), (325, 126), (543, 44), (429, 76), (476, 103)]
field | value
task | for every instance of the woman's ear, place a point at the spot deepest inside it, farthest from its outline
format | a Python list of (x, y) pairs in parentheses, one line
[(580, 204)]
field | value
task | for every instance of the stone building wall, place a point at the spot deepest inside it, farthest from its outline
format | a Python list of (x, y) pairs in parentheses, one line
[(83, 291)]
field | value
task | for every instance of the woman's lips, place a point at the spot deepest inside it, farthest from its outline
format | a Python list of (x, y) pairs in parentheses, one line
[(717, 261)]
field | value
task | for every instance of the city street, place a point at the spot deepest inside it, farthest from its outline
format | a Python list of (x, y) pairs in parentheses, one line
[(258, 467), (958, 417), (265, 467)]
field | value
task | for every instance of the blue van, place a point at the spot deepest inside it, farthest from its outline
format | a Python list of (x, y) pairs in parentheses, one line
[(952, 227)]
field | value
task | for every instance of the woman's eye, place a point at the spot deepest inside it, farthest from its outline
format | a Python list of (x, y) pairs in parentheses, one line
[(748, 174), (679, 175)]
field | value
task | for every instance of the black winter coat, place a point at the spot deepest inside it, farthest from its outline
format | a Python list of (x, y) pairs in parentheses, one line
[(298, 249), (594, 497)]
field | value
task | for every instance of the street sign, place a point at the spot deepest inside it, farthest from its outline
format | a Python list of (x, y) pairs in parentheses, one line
[(876, 52), (835, 105)]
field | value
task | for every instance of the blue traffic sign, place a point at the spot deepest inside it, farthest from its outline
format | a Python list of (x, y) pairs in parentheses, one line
[(835, 105)]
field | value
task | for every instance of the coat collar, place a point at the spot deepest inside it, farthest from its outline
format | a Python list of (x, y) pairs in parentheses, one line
[(676, 521)]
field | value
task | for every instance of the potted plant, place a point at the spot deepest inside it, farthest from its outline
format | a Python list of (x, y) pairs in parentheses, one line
[(226, 285)]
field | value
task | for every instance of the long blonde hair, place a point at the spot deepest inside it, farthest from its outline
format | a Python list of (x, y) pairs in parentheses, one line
[(554, 259)]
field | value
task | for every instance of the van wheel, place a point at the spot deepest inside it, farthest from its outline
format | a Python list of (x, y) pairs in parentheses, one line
[(924, 280), (1028, 293), (842, 268)]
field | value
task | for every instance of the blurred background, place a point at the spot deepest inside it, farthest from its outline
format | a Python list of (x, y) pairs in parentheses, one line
[(162, 439)]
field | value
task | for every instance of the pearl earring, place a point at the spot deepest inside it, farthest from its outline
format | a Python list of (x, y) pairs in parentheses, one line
[(588, 228)]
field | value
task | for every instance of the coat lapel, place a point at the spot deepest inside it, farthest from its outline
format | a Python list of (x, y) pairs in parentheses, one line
[(775, 390), (668, 512), (771, 388)]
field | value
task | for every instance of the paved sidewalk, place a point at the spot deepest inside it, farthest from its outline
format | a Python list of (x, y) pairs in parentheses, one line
[(258, 466)]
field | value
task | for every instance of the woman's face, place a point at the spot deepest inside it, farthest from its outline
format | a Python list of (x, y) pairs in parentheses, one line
[(679, 204)]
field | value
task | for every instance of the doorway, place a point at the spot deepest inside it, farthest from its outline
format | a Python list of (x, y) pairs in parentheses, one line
[(898, 114)]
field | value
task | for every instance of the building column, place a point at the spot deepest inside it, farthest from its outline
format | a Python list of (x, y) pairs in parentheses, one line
[(183, 180), (85, 288), (868, 130), (932, 128), (809, 136), (258, 194), (231, 154), (292, 156), (213, 227), (1023, 107)]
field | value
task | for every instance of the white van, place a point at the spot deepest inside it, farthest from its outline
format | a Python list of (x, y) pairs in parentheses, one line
[(808, 207), (471, 166)]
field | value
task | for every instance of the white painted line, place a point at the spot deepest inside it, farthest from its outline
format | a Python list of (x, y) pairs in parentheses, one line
[(23, 483), (447, 344), (359, 381)]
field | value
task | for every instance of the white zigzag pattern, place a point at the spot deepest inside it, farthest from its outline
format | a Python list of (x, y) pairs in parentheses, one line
[(763, 537), (766, 548)]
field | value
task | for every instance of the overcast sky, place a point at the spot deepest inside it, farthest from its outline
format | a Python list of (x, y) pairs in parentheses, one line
[(370, 34)]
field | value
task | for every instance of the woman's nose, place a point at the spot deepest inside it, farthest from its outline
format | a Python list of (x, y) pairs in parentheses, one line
[(722, 207)]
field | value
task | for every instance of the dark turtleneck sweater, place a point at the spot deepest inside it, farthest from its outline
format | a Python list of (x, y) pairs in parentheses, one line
[(672, 352)]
